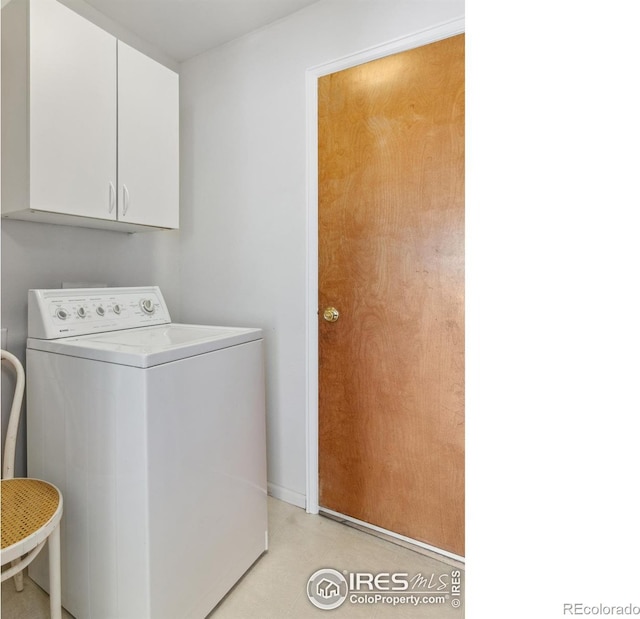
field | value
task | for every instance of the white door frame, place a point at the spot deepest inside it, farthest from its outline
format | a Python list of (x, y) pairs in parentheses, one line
[(423, 37)]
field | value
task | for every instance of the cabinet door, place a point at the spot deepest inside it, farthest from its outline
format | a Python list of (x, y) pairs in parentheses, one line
[(72, 113), (148, 144)]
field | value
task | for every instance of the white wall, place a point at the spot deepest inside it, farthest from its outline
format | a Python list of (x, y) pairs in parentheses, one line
[(243, 245), (240, 256), (44, 256)]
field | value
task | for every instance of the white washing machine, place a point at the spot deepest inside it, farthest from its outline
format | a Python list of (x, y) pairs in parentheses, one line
[(155, 434)]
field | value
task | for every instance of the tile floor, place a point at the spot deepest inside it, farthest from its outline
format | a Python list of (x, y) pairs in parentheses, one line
[(275, 588)]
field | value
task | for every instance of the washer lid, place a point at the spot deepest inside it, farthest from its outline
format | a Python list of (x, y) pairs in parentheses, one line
[(148, 346)]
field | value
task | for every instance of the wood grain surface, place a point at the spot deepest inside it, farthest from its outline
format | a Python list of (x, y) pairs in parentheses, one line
[(391, 260)]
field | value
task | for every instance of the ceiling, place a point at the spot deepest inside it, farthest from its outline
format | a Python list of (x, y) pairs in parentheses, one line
[(185, 28)]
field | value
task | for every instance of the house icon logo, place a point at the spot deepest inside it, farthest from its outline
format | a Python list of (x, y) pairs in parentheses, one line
[(327, 589)]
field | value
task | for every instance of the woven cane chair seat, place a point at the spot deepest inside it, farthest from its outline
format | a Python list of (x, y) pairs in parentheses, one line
[(31, 508)]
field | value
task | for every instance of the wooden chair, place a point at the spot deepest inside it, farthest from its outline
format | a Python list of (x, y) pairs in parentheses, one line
[(31, 509)]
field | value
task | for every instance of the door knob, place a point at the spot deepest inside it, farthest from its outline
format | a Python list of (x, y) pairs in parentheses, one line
[(331, 314)]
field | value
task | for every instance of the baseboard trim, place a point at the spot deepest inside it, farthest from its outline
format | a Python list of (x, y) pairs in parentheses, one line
[(286, 495)]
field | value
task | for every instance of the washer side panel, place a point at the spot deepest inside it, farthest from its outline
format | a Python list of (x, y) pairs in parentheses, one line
[(207, 477)]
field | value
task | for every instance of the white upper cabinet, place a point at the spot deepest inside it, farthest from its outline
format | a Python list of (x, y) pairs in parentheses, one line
[(148, 140), (72, 113), (89, 125)]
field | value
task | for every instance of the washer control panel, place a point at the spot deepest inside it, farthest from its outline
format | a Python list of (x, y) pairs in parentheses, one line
[(55, 313)]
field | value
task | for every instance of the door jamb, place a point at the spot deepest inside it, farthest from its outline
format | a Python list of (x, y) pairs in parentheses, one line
[(423, 37)]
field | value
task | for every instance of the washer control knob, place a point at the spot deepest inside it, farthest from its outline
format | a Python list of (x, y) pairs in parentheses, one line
[(82, 313), (62, 313), (147, 306), (100, 310), (117, 309)]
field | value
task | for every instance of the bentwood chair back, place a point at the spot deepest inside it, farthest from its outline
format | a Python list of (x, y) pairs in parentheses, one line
[(31, 509)]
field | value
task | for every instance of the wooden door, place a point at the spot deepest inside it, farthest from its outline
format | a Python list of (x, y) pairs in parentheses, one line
[(391, 261)]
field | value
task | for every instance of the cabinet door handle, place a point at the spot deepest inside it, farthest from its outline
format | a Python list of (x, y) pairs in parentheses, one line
[(112, 197), (125, 199)]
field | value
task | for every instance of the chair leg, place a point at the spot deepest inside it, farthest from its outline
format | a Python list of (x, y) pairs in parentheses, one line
[(55, 596), (17, 579)]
